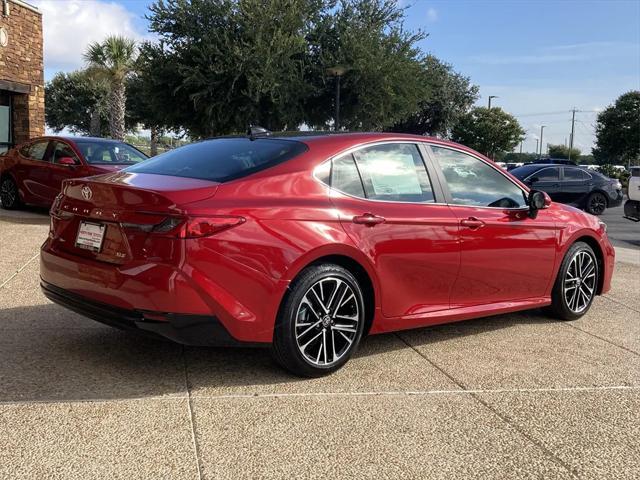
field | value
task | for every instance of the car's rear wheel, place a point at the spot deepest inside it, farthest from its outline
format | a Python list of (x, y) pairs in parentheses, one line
[(321, 321), (596, 203), (9, 195), (576, 284)]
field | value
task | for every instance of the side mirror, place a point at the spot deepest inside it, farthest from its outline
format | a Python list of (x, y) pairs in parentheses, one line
[(66, 161), (537, 201)]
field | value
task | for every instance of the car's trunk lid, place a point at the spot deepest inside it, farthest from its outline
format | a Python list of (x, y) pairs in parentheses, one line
[(122, 209)]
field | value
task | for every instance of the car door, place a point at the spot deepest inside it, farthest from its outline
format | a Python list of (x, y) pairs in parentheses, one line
[(505, 255), (33, 171), (575, 185), (59, 172), (388, 205), (548, 180)]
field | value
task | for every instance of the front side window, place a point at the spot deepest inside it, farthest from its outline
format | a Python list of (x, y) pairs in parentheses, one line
[(473, 182), (60, 150), (37, 150), (394, 172), (551, 174)]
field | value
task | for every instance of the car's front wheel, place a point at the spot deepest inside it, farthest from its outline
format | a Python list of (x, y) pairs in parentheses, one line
[(321, 321), (596, 203), (576, 284), (9, 195)]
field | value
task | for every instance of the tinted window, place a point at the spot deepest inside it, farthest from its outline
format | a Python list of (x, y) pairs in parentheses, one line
[(551, 174), (574, 175), (473, 182), (635, 172), (61, 150), (36, 150), (222, 159), (116, 153), (394, 172), (345, 176)]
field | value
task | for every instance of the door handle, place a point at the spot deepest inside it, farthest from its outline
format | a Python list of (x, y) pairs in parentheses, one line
[(472, 222), (368, 219)]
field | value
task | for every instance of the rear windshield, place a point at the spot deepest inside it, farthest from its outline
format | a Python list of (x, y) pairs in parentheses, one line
[(222, 159), (109, 153)]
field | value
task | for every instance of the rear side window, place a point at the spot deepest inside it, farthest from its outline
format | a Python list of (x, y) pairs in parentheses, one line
[(36, 150), (345, 176), (635, 172), (575, 175), (394, 172), (222, 159)]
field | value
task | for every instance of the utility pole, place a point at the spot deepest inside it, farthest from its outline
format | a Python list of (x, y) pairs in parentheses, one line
[(537, 145), (490, 97), (521, 146), (573, 126), (541, 135)]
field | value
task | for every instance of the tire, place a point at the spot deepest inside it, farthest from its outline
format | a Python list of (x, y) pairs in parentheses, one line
[(320, 322), (571, 298), (596, 203), (9, 194)]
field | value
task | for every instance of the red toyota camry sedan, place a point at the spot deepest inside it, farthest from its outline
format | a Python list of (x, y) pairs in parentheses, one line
[(34, 171), (306, 244)]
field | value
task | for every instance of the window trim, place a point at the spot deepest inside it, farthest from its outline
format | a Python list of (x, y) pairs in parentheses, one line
[(431, 170), (445, 185)]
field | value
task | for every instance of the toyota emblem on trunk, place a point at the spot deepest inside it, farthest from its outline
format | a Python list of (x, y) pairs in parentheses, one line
[(86, 193)]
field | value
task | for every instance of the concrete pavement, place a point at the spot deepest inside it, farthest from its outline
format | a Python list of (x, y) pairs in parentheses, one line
[(512, 396)]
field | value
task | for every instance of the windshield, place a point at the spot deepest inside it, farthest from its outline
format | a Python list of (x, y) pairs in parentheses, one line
[(523, 172), (222, 159), (109, 153)]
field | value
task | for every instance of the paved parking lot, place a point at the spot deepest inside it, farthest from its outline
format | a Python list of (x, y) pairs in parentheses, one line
[(513, 396)]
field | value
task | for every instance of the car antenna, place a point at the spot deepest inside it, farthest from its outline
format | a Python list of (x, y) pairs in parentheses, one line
[(255, 131)]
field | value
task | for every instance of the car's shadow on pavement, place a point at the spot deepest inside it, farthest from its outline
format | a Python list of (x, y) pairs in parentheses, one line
[(26, 215), (50, 354)]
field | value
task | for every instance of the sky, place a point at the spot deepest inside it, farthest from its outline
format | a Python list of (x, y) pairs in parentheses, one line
[(541, 58)]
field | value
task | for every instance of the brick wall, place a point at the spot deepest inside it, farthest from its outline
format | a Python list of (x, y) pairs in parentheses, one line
[(21, 61)]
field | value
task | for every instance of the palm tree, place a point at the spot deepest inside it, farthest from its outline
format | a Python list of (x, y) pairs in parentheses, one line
[(114, 59)]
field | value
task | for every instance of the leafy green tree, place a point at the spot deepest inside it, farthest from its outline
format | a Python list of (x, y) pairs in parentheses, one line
[(228, 63), (618, 131), (448, 96), (562, 151), (113, 59), (77, 101), (382, 81), (489, 131)]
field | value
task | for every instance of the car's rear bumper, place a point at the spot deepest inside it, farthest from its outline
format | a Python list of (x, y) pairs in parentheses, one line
[(615, 200), (199, 330), (241, 300)]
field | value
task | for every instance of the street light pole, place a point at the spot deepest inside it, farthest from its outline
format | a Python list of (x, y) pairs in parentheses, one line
[(490, 97), (338, 71), (541, 135), (537, 146)]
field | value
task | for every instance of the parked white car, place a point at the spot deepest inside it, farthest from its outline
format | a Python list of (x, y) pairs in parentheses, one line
[(632, 206)]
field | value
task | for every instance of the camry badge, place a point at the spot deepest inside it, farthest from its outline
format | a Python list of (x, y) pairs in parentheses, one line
[(86, 193)]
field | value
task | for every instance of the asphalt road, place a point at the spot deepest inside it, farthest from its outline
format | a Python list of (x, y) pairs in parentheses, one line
[(622, 232)]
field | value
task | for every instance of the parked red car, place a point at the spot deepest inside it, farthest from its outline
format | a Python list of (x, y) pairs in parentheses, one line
[(307, 243), (33, 172)]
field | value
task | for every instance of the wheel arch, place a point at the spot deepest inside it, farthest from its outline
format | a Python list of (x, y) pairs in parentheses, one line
[(597, 249), (353, 261)]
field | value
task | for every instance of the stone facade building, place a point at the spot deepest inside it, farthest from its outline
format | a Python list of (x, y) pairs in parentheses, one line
[(21, 73)]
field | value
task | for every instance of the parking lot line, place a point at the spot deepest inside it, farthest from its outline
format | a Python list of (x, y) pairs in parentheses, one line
[(19, 270)]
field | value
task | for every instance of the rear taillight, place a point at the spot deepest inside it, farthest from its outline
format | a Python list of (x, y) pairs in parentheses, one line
[(196, 227), (188, 227)]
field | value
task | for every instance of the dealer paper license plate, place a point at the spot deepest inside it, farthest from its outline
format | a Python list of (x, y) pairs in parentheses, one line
[(90, 236)]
